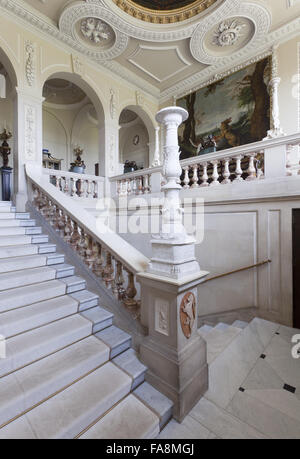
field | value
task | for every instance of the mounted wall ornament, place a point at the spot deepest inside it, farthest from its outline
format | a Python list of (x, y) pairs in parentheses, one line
[(30, 62), (77, 65), (30, 132), (140, 99), (188, 314), (113, 104)]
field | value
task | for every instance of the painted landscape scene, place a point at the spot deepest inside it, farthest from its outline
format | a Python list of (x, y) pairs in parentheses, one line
[(231, 112)]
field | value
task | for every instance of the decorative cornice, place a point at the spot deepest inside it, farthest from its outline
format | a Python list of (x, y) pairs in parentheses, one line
[(164, 17)]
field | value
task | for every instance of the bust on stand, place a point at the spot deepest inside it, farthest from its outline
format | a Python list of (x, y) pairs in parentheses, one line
[(6, 171)]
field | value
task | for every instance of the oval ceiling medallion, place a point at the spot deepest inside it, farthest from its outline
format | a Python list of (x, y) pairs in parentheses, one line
[(164, 11)]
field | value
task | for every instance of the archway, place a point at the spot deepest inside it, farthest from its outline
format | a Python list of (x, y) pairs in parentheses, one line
[(136, 137), (77, 120), (8, 83)]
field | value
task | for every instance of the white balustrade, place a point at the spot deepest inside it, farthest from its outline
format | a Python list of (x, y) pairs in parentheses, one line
[(76, 185), (235, 165)]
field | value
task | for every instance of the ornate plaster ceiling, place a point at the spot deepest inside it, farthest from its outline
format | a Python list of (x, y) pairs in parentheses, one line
[(165, 58)]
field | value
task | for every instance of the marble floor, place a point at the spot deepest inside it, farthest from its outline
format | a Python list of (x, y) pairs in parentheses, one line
[(259, 398)]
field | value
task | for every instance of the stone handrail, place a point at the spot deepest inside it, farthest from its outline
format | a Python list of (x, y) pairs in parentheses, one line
[(76, 185), (238, 164), (104, 252)]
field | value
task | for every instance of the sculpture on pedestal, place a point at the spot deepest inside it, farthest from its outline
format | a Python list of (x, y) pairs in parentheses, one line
[(6, 171)]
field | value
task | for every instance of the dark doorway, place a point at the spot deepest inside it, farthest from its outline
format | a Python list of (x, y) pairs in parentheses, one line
[(296, 266)]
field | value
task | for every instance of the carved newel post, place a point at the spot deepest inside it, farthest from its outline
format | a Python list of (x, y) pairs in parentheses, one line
[(173, 351)]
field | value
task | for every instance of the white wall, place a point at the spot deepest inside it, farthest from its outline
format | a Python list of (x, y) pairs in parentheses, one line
[(62, 129), (138, 153)]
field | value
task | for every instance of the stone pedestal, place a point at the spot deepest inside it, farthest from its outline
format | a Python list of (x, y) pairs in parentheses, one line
[(174, 352), (6, 183)]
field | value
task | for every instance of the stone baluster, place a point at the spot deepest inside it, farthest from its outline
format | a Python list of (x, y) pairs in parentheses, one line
[(251, 169), (119, 281), (146, 184), (108, 272), (119, 187), (75, 238), (134, 186), (98, 262), (73, 187), (260, 165), (226, 172), (57, 182), (82, 244), (131, 292), (195, 176), (215, 174), (140, 185), (238, 169), (186, 180), (204, 177), (89, 256), (80, 187), (129, 187), (66, 187), (96, 190), (89, 188), (68, 229)]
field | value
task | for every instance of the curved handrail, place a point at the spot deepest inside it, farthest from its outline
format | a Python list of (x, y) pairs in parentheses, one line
[(121, 250)]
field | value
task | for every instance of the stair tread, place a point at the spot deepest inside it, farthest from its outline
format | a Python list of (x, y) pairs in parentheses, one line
[(130, 419), (31, 276), (68, 413), (23, 296), (31, 385), (240, 324), (21, 320), (15, 240), (35, 344), (116, 339), (16, 263), (18, 250), (155, 400), (130, 363)]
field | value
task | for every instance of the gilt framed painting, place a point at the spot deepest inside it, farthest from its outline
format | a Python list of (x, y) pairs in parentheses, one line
[(228, 113)]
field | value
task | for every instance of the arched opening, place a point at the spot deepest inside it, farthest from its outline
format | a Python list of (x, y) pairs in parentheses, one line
[(73, 117), (136, 138), (8, 83)]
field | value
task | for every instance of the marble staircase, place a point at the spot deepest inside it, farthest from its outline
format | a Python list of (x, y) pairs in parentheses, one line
[(68, 372)]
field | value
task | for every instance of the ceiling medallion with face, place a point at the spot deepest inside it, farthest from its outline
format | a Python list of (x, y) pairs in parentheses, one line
[(164, 11)]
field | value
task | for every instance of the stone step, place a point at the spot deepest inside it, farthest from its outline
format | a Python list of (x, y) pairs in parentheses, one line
[(130, 419), (34, 345), (240, 324), (218, 340), (30, 294), (22, 320), (116, 339), (74, 284), (68, 414), (31, 261), (204, 330), (222, 326), (4, 208), (7, 215), (22, 239), (86, 299), (11, 223), (99, 317), (22, 216), (44, 378), (128, 361), (26, 249), (25, 277), (19, 230), (156, 401)]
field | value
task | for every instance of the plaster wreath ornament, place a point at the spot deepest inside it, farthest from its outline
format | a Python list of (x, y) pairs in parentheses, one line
[(96, 30), (228, 33)]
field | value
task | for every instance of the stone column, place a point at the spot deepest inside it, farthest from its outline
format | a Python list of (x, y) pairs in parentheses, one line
[(173, 350), (28, 141), (276, 130)]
